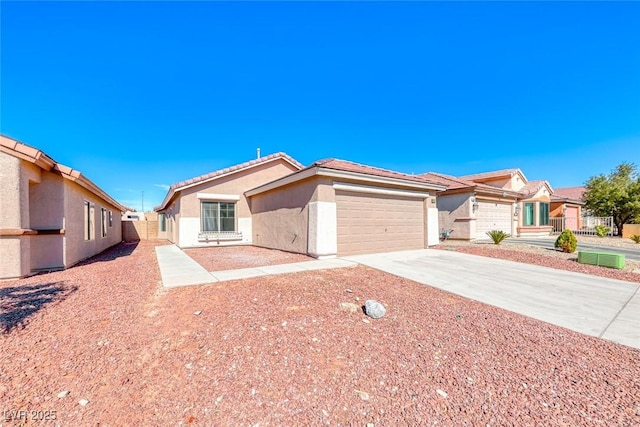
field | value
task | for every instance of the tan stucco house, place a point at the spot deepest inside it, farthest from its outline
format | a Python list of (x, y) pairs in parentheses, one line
[(333, 207), (212, 209), (499, 200), (51, 216)]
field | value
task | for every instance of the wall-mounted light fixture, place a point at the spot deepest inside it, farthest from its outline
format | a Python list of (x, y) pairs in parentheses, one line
[(516, 210), (474, 206)]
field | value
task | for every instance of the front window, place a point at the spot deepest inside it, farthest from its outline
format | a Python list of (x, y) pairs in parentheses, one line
[(218, 216), (162, 219), (529, 213), (544, 214)]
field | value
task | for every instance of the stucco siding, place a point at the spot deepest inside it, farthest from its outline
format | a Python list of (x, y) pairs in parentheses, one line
[(281, 217), (229, 188), (454, 213), (10, 192), (77, 248)]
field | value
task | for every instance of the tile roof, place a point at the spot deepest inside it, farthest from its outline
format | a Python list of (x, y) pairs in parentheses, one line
[(573, 193), (454, 183), (225, 171), (222, 172), (533, 187), (347, 166), (493, 174), (42, 160)]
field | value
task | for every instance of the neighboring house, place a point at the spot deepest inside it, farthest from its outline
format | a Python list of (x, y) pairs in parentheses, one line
[(332, 207), (500, 200), (533, 207), (133, 216), (469, 209), (567, 202), (212, 209), (51, 216)]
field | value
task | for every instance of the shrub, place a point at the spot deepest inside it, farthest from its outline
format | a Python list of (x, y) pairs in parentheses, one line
[(601, 230), (567, 241), (635, 238), (497, 236)]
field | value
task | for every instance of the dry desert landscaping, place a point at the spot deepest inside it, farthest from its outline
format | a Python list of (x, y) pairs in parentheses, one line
[(104, 344)]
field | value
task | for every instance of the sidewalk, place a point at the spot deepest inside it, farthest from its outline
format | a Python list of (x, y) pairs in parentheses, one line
[(178, 269)]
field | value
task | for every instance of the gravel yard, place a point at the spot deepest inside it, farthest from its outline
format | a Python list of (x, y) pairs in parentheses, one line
[(234, 257), (279, 350), (552, 258)]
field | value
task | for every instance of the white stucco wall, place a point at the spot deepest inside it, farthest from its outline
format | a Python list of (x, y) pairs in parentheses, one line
[(433, 233), (323, 229)]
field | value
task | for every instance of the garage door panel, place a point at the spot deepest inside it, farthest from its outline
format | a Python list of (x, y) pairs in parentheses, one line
[(492, 216), (375, 223)]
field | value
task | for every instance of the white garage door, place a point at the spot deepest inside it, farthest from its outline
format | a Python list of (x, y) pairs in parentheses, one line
[(492, 216), (369, 223)]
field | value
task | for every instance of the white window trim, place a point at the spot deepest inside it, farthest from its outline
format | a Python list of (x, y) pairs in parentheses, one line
[(218, 197)]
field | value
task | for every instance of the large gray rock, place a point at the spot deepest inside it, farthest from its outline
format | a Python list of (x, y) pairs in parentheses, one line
[(374, 309)]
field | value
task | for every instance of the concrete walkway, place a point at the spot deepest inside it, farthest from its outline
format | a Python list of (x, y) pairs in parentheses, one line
[(592, 305), (178, 269)]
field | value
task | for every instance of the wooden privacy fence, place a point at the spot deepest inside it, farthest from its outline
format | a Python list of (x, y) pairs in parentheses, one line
[(585, 225), (630, 230)]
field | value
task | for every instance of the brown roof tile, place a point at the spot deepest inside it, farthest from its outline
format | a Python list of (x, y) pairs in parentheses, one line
[(573, 193), (344, 165)]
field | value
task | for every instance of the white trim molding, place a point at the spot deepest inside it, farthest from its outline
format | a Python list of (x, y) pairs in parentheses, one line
[(223, 197), (339, 186)]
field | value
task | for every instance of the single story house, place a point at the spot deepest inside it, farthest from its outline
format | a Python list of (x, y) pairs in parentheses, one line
[(567, 203), (212, 209), (333, 207), (500, 200), (469, 209), (533, 207), (51, 216)]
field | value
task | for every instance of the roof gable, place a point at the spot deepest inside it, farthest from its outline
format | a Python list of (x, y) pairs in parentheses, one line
[(212, 176)]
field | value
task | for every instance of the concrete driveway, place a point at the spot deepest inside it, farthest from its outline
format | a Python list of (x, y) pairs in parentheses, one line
[(592, 305)]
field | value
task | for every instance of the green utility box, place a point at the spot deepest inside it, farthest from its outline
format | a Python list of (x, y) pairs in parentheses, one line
[(603, 259)]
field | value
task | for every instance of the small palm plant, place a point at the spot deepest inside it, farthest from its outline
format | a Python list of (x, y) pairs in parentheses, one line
[(497, 236), (635, 238)]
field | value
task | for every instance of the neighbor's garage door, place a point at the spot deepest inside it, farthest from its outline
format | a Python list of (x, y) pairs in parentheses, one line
[(492, 216), (369, 223), (571, 218)]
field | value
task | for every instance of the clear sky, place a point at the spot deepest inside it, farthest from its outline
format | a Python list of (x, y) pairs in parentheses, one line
[(140, 95)]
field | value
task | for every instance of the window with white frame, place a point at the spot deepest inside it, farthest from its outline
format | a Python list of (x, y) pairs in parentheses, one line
[(218, 216)]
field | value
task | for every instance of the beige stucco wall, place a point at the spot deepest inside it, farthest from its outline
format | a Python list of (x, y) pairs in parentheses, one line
[(455, 213), (76, 248), (187, 208), (281, 216)]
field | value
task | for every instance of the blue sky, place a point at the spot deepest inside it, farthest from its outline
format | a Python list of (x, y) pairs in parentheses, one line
[(140, 95)]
